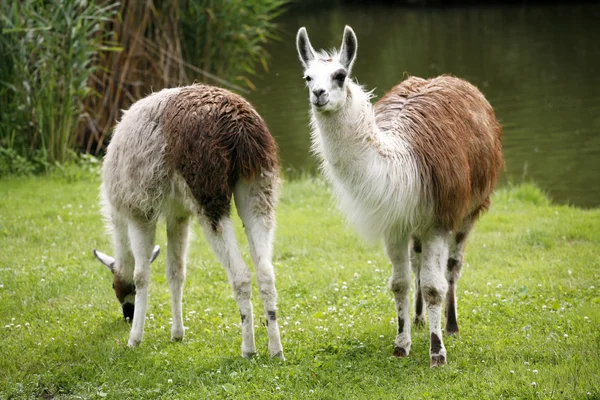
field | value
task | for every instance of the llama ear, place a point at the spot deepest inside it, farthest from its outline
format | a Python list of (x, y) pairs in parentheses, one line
[(110, 261), (106, 260), (348, 49), (305, 50), (155, 253)]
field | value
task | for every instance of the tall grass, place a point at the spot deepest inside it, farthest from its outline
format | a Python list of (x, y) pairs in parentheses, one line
[(227, 37), (178, 42), (63, 86), (53, 47)]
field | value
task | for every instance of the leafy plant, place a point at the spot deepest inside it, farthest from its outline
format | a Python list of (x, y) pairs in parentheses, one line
[(54, 46), (63, 85), (226, 38), (173, 43)]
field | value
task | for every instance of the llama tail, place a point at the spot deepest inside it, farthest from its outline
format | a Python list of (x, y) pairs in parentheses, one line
[(254, 151)]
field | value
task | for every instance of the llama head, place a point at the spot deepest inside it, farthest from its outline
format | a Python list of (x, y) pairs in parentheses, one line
[(125, 291), (327, 75)]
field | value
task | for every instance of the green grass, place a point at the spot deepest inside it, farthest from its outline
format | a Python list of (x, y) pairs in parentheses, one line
[(529, 308)]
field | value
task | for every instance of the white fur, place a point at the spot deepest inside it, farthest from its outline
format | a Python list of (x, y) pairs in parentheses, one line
[(375, 177), (138, 187)]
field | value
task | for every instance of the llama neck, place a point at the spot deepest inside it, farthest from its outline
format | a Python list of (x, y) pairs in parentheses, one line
[(350, 134), (371, 171)]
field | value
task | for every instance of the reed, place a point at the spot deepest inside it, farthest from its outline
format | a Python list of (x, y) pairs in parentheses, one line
[(68, 67), (53, 47)]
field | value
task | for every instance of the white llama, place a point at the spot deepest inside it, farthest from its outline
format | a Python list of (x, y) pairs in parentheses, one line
[(419, 165), (184, 153)]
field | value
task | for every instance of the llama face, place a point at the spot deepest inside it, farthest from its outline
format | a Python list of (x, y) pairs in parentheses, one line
[(326, 75), (125, 291), (326, 80)]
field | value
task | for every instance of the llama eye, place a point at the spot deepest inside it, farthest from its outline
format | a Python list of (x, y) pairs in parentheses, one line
[(339, 77), (307, 78)]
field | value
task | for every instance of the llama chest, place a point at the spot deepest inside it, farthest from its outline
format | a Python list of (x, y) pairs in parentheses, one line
[(376, 191)]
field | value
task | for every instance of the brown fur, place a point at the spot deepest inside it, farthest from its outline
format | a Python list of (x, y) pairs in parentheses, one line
[(457, 140), (215, 137), (122, 288)]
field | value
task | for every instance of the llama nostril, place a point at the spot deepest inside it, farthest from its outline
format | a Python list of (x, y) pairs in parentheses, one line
[(318, 92), (128, 309)]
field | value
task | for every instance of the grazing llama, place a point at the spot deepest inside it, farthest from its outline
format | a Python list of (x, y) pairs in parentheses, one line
[(183, 153), (415, 169)]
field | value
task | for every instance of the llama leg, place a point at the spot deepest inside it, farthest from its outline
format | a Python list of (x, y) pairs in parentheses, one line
[(124, 266), (396, 246), (177, 237), (416, 259), (255, 204), (434, 286), (223, 242), (455, 262), (141, 236)]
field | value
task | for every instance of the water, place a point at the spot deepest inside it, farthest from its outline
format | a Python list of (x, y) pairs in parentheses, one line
[(537, 65)]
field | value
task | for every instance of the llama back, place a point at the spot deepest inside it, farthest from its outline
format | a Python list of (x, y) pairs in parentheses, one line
[(456, 140), (135, 158), (196, 140), (214, 138)]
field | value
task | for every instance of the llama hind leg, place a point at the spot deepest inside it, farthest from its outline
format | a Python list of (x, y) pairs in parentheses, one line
[(396, 246), (255, 203), (141, 236), (434, 286), (177, 237), (415, 262), (221, 237), (453, 269)]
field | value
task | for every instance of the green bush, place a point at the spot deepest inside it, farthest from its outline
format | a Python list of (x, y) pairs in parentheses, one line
[(226, 38), (49, 50), (62, 89)]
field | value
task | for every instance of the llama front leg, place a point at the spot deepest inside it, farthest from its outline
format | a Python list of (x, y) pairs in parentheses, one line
[(124, 266), (396, 246), (177, 237), (223, 242), (434, 286), (141, 236)]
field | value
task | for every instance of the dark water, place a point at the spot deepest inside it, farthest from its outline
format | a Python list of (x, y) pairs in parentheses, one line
[(537, 65)]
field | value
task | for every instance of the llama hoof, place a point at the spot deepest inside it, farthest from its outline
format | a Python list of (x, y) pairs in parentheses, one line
[(248, 354), (450, 331), (133, 343), (400, 352), (177, 335), (419, 322), (437, 360), (279, 355)]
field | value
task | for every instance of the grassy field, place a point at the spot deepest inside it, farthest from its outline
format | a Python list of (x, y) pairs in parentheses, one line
[(529, 308)]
